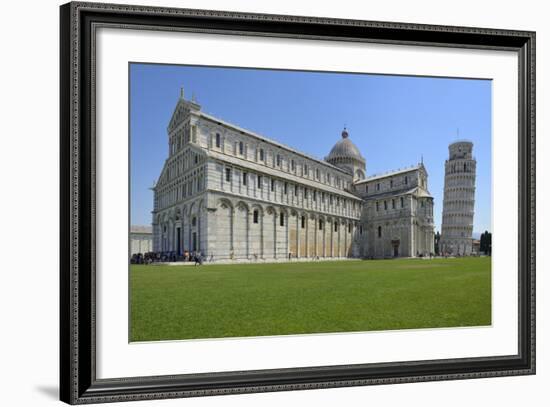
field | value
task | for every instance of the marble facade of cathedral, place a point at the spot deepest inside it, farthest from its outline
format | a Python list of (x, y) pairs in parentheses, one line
[(233, 194)]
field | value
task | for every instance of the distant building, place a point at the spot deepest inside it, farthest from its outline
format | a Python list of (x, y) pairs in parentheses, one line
[(233, 194), (476, 246), (458, 200), (398, 214), (141, 239)]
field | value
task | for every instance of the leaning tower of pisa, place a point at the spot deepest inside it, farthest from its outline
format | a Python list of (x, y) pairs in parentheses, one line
[(458, 200)]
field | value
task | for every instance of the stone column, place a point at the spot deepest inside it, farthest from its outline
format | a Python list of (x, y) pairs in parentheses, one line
[(316, 236), (262, 231), (287, 234), (231, 230), (298, 232), (307, 234), (411, 238), (249, 214), (275, 223)]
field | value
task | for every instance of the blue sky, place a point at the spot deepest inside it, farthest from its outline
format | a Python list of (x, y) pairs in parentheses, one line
[(393, 120)]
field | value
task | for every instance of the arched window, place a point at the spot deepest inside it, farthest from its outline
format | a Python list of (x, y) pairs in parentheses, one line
[(218, 140), (261, 154), (320, 224), (281, 219), (241, 148), (464, 167), (255, 216), (303, 222), (379, 231)]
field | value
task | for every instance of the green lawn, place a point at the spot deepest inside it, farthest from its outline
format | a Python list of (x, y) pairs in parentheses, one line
[(214, 301)]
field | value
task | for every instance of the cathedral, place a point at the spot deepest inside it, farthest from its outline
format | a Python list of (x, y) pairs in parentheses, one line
[(235, 195)]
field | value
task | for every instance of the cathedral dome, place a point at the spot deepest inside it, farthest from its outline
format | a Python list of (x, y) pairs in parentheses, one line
[(344, 149)]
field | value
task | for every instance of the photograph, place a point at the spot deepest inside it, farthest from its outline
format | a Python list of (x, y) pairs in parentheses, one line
[(267, 202)]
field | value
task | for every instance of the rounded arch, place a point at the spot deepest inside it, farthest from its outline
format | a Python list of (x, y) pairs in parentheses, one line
[(201, 206), (243, 206), (225, 203), (257, 207), (192, 208), (270, 210)]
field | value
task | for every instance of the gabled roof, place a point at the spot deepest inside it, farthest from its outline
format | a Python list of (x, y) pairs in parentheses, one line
[(186, 104)]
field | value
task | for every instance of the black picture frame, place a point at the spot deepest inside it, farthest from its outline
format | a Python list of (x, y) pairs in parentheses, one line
[(78, 382)]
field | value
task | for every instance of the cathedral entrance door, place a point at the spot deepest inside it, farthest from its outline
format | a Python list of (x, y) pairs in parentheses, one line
[(395, 244)]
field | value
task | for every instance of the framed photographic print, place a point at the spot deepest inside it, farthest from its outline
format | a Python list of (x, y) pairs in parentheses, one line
[(255, 203)]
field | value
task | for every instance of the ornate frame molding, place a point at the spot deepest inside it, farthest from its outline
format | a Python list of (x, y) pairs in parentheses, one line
[(78, 382)]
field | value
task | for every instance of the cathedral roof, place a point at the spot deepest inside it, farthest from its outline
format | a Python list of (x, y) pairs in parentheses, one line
[(345, 148), (269, 140), (390, 173), (419, 192)]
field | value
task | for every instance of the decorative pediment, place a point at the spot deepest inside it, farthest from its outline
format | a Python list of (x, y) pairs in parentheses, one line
[(181, 112)]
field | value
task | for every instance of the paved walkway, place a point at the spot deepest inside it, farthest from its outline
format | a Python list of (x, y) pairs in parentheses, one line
[(253, 261)]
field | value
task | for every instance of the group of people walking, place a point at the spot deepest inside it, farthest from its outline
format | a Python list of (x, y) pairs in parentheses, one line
[(166, 257)]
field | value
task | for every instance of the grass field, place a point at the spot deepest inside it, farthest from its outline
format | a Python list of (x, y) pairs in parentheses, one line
[(214, 301)]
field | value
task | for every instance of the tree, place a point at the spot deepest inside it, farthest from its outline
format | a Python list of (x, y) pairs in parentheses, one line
[(485, 243)]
